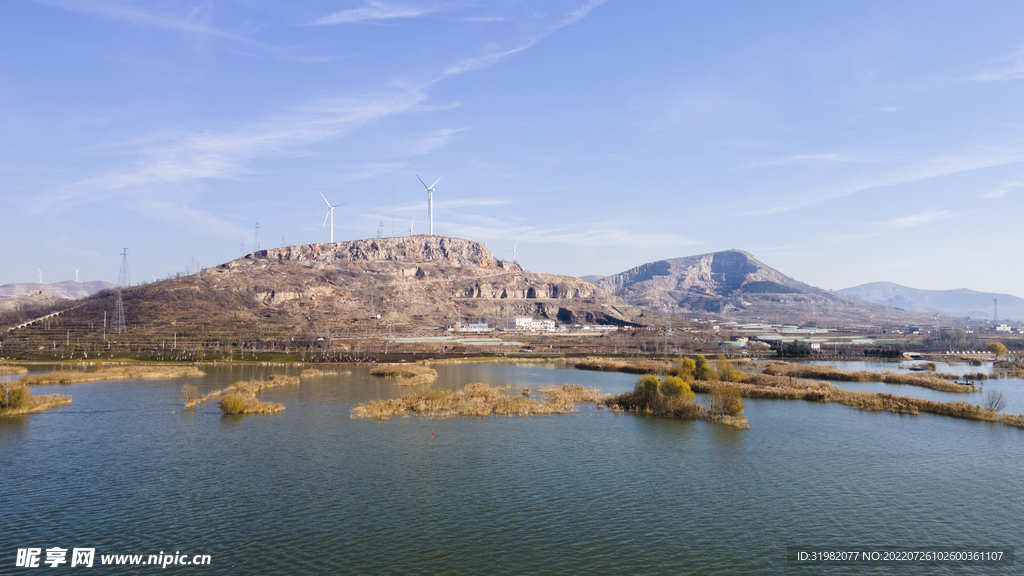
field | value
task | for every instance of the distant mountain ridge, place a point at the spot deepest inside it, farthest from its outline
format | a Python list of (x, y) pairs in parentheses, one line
[(67, 288), (961, 302), (732, 284)]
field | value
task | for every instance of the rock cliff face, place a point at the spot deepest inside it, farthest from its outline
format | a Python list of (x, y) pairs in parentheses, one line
[(414, 249), (429, 280)]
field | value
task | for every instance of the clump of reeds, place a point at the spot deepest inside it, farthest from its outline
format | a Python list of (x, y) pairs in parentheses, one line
[(672, 397), (7, 370), (313, 372), (828, 372), (115, 373), (784, 388), (15, 398), (478, 400), (632, 366), (407, 374), (240, 398), (247, 390)]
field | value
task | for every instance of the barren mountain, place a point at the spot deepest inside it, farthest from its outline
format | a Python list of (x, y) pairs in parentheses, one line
[(356, 287), (67, 288), (733, 284), (961, 302)]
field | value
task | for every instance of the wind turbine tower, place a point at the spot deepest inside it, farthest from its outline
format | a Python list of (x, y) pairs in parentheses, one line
[(77, 270), (40, 275), (995, 311), (330, 213), (413, 224), (430, 200)]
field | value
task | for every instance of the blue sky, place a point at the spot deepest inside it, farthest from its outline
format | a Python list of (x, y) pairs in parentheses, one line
[(841, 143)]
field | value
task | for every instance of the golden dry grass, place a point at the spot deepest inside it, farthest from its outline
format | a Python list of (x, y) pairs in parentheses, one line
[(478, 400), (637, 366), (408, 374), (7, 370), (248, 390), (116, 373), (313, 372), (29, 403), (786, 388), (939, 382)]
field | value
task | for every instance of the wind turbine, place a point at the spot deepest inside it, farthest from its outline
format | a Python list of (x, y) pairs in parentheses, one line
[(413, 224), (40, 275), (430, 200), (77, 270), (330, 214), (513, 251)]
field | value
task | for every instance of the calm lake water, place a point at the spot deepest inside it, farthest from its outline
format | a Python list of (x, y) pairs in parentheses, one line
[(126, 470)]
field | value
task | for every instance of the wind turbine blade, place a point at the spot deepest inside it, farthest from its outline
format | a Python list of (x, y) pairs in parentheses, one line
[(326, 217), (325, 198), (435, 182), (342, 204), (422, 182), (516, 245)]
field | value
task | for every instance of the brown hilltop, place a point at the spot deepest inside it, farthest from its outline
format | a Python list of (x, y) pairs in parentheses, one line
[(340, 288)]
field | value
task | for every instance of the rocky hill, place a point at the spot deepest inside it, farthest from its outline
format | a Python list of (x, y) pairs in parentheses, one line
[(409, 284), (961, 302), (67, 288), (733, 284)]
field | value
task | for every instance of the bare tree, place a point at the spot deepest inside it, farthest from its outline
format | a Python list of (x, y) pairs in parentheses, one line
[(995, 402)]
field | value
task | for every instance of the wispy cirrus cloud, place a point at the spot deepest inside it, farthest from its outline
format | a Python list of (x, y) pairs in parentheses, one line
[(1002, 189), (374, 11), (1010, 68), (195, 21), (228, 155), (914, 220), (907, 171)]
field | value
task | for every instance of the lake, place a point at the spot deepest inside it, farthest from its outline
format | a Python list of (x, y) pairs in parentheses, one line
[(127, 471)]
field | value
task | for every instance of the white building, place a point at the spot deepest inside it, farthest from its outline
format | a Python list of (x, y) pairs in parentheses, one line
[(530, 324)]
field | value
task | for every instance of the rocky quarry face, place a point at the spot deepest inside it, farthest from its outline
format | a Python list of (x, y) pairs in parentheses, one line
[(430, 281)]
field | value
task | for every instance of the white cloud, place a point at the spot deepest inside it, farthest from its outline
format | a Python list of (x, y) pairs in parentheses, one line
[(915, 220), (229, 155), (376, 11), (1002, 189), (196, 22)]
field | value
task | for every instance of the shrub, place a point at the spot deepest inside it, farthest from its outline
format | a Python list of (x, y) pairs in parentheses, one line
[(702, 370), (190, 393), (676, 387), (232, 404), (686, 369), (726, 371), (997, 348), (12, 395), (646, 386), (724, 401)]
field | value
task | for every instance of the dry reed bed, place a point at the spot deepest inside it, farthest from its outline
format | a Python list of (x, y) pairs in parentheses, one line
[(478, 400), (638, 366), (785, 388), (16, 399), (828, 372), (408, 374), (246, 391), (7, 370), (117, 373), (314, 372)]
